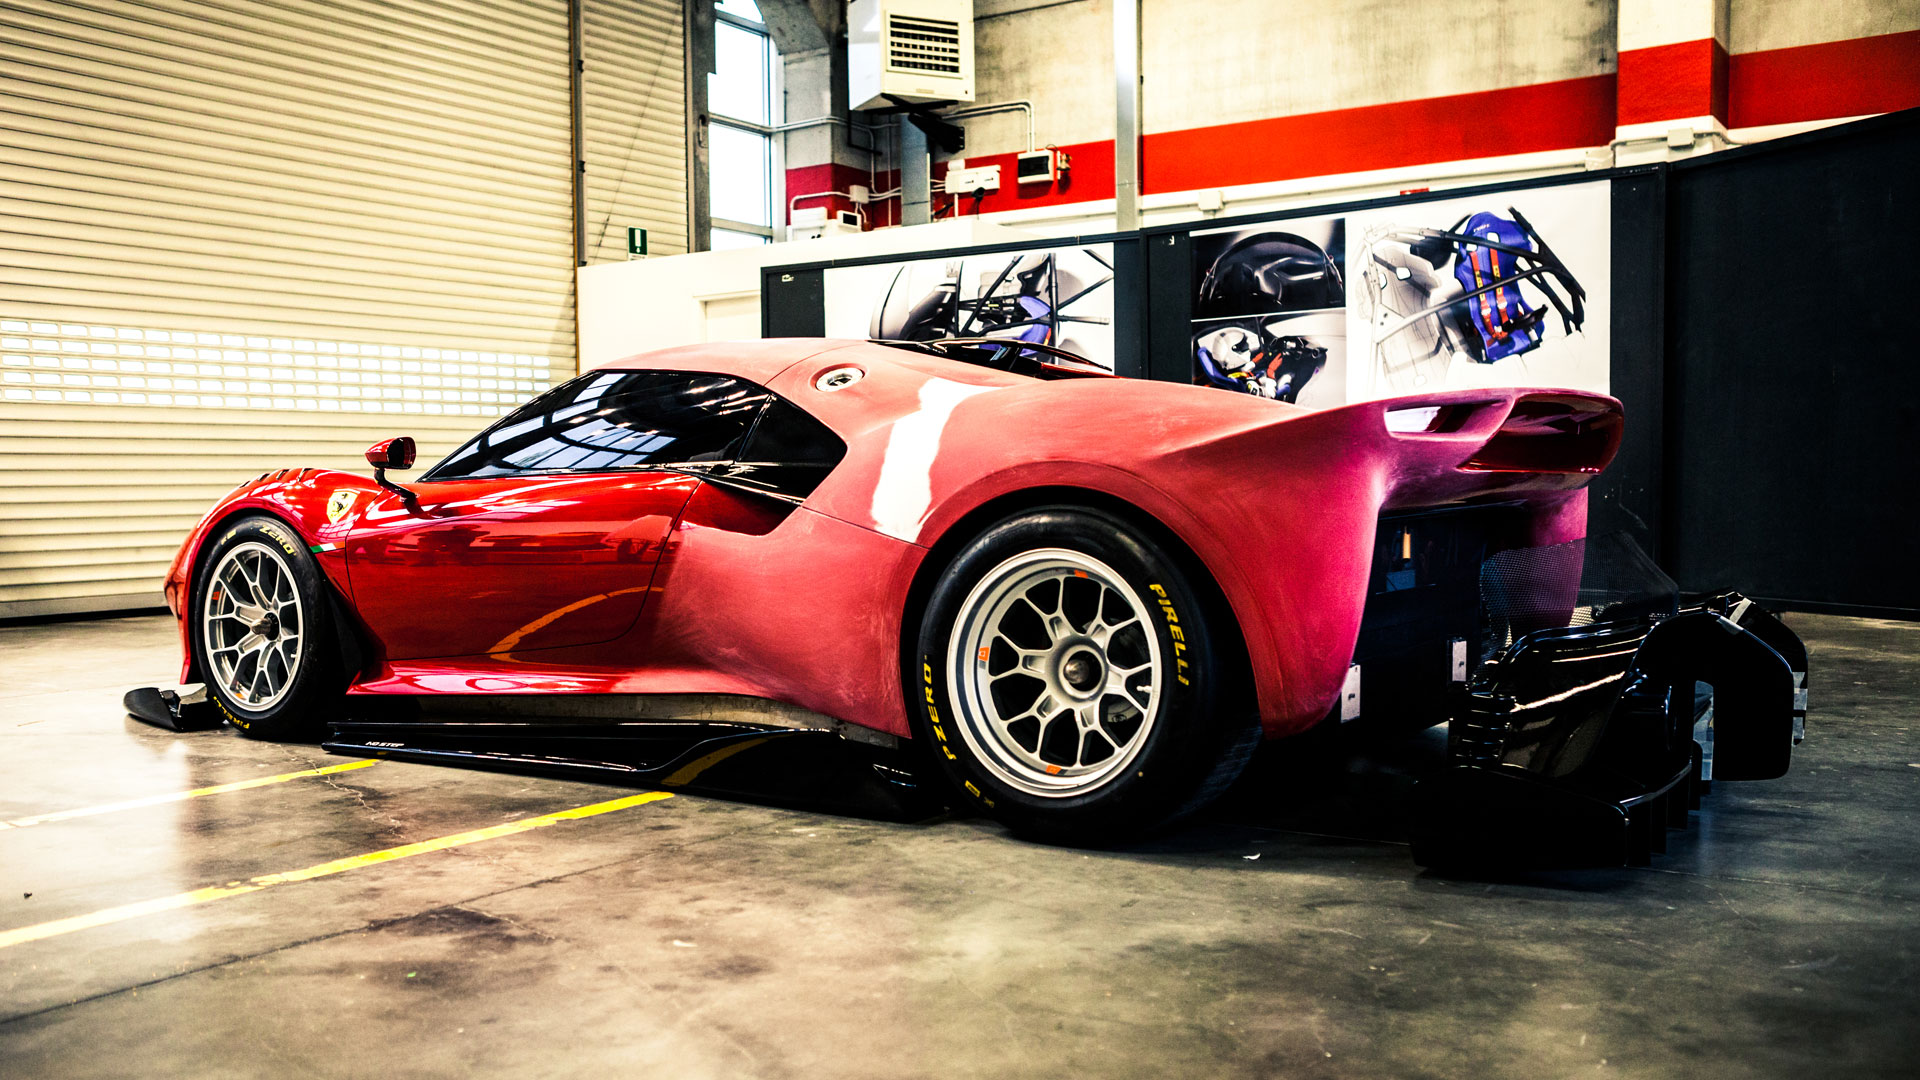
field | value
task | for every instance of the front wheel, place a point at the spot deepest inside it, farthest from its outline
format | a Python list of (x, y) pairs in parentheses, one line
[(1073, 682), (260, 625)]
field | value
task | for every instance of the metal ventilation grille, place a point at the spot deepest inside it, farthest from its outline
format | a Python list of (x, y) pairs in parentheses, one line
[(921, 44)]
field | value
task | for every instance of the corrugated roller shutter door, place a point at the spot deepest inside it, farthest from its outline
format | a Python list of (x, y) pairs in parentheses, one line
[(634, 96), (243, 235)]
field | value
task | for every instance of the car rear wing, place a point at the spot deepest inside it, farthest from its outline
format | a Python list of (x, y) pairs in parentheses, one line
[(1466, 443)]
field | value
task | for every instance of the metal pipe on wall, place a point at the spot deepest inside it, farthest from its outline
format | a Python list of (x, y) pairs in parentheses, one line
[(998, 107), (576, 77), (700, 63), (1126, 115)]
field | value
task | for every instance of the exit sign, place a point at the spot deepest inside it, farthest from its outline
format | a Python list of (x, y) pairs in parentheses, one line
[(636, 241)]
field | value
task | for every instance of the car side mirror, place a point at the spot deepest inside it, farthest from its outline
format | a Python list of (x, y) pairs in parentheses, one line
[(394, 453)]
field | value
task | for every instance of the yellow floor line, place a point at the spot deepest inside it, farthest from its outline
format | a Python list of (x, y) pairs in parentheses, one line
[(690, 772), (338, 866), (180, 796)]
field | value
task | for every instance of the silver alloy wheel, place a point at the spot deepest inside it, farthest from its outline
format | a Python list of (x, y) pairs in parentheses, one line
[(1055, 672), (252, 625)]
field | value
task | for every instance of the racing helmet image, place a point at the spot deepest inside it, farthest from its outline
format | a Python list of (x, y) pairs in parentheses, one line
[(1430, 294), (1270, 272), (1245, 355)]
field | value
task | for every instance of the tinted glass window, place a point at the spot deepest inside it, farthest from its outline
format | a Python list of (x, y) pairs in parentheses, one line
[(615, 420), (788, 454)]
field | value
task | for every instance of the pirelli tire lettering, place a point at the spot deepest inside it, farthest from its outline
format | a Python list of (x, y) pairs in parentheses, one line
[(1180, 664), (236, 721), (933, 710), (279, 536)]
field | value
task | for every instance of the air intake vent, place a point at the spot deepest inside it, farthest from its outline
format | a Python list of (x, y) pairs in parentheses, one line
[(909, 52), (921, 44)]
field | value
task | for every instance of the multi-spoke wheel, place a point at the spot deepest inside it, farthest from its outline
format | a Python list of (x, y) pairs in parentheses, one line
[(1075, 683), (263, 643), (252, 622), (1053, 665)]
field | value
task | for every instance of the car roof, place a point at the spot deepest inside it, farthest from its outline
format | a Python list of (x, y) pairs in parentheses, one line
[(757, 361)]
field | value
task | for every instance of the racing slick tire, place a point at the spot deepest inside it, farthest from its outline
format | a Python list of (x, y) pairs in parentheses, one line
[(1075, 684), (262, 635)]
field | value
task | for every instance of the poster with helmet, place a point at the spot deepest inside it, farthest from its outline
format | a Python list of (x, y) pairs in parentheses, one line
[(1506, 289), (1269, 310), (1054, 296)]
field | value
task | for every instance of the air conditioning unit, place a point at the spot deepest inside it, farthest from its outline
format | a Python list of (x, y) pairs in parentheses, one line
[(909, 52)]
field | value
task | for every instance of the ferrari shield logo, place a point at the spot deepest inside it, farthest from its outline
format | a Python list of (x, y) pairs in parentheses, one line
[(339, 504)]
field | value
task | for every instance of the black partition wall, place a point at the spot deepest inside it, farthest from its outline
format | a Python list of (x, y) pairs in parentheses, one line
[(1792, 376), (1756, 313)]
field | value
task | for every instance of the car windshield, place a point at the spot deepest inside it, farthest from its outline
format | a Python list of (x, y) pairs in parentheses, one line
[(613, 420)]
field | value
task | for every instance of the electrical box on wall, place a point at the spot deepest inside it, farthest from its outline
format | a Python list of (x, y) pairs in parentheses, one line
[(1039, 166), (909, 52), (978, 180)]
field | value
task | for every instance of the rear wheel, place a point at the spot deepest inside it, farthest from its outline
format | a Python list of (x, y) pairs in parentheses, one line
[(1073, 683), (264, 640)]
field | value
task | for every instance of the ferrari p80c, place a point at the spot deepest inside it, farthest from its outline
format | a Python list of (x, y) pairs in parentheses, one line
[(1078, 602)]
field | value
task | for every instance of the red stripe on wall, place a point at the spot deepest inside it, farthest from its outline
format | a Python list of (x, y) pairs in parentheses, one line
[(1673, 82), (1813, 82), (1819, 82), (1517, 120), (811, 179), (1089, 177)]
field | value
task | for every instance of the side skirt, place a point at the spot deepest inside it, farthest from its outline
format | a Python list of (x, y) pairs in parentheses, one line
[(807, 768)]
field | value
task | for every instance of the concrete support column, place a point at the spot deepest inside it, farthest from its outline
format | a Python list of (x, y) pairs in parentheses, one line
[(1673, 78), (825, 148), (827, 154)]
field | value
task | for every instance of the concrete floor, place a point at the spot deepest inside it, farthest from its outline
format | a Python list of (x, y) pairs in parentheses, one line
[(1288, 934)]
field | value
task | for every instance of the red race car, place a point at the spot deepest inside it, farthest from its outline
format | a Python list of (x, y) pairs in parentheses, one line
[(1082, 599)]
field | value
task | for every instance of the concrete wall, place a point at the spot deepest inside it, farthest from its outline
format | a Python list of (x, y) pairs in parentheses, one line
[(1270, 98), (1756, 25), (1257, 105), (1227, 61)]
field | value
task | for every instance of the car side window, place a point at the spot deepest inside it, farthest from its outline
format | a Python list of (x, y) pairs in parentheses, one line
[(614, 420), (787, 455)]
